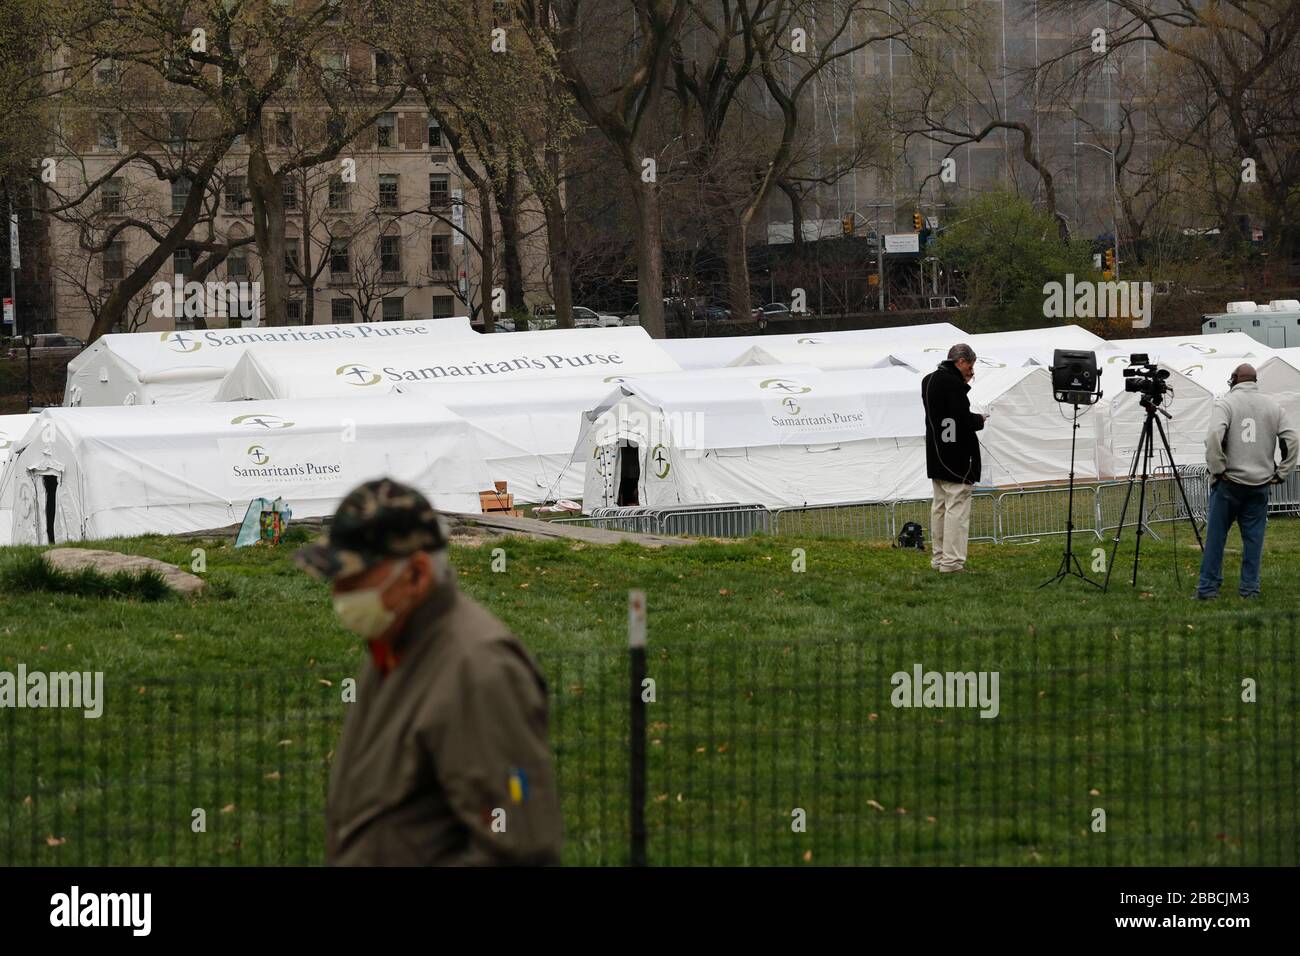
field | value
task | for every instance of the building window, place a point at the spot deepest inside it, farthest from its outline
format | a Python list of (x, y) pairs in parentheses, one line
[(114, 263), (340, 256), (180, 195), (284, 129), (388, 191), (390, 254), (237, 263), (386, 131), (290, 188), (444, 306), (106, 73), (439, 190), (340, 311), (340, 197), (393, 309), (236, 193), (334, 66), (440, 259), (109, 136), (113, 196), (435, 133), (293, 312), (292, 254), (182, 262), (383, 68), (178, 130)]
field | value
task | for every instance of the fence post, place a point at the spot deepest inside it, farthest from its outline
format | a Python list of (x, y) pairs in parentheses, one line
[(636, 643)]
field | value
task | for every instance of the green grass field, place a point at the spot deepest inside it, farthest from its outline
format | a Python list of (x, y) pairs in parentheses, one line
[(772, 738)]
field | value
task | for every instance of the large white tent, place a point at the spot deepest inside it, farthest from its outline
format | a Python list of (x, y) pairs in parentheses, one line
[(1043, 340), (1119, 416), (1277, 378), (526, 430), (845, 355), (1177, 349), (720, 351), (927, 359), (160, 368), (88, 473), (603, 353), (13, 429), (1026, 439), (771, 435)]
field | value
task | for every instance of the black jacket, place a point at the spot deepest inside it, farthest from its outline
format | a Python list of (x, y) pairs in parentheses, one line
[(952, 451)]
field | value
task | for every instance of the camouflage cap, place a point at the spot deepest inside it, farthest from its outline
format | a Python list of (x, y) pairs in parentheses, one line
[(377, 521)]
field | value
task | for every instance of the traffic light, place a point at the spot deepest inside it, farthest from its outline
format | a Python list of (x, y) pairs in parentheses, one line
[(1110, 259), (916, 220), (848, 225)]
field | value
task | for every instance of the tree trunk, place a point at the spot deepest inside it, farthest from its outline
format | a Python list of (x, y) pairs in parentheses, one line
[(649, 253), (796, 219), (557, 240), (511, 260), (738, 296), (266, 190), (487, 259)]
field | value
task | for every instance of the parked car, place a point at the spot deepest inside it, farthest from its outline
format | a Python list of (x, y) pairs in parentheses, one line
[(766, 313), (585, 318), (49, 345)]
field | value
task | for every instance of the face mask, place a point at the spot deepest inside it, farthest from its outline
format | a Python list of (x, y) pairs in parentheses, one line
[(363, 612)]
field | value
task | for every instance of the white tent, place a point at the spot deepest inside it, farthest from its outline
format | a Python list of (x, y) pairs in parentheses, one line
[(13, 429), (1280, 377), (723, 350), (1119, 416), (148, 368), (87, 473), (925, 360), (1026, 439), (603, 353), (526, 430), (771, 435), (845, 355), (1176, 349), (1042, 340)]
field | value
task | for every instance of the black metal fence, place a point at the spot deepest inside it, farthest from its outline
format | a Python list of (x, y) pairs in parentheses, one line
[(1125, 747)]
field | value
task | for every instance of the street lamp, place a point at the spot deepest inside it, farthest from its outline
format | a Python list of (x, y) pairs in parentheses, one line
[(1114, 172)]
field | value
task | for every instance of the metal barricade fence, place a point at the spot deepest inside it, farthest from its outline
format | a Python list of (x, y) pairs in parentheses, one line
[(860, 520), (1038, 512), (996, 516)]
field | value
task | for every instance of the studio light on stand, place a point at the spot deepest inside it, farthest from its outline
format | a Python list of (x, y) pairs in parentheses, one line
[(1076, 381)]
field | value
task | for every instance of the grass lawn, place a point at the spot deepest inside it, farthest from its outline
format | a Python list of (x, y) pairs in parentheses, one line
[(773, 739)]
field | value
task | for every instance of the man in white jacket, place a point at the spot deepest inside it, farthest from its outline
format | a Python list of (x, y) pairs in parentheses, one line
[(1248, 433)]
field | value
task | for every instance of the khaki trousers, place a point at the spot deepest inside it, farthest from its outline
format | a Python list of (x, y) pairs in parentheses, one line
[(949, 525)]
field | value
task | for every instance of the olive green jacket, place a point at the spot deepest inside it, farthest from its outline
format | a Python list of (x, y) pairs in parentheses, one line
[(444, 760)]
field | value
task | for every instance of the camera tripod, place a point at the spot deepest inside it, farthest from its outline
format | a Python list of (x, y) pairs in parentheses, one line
[(1142, 455), (1069, 563)]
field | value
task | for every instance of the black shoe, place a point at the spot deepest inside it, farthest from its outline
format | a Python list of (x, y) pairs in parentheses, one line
[(1207, 597)]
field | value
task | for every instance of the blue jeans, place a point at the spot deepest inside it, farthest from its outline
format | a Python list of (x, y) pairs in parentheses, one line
[(1248, 506)]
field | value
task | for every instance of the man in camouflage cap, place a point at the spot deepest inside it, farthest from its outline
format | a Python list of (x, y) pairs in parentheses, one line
[(444, 756)]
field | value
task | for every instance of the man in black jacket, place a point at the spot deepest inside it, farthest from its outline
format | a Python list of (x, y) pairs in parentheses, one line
[(952, 455)]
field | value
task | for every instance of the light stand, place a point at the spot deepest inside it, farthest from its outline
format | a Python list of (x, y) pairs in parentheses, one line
[(1069, 562), (28, 341), (1143, 453)]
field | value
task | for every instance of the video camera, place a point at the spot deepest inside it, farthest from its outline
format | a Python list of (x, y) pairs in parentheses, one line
[(1142, 376)]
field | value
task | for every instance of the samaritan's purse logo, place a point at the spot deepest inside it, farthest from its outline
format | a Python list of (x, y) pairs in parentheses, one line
[(258, 456), (261, 421), (660, 458), (355, 374), (182, 341), (789, 388)]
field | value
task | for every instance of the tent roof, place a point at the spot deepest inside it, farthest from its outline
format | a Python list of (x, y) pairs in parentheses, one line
[(505, 361), (840, 355), (718, 351), (221, 348), (173, 424), (757, 406), (1223, 344), (1052, 337)]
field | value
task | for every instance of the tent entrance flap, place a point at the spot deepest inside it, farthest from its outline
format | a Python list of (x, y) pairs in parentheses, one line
[(628, 474)]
